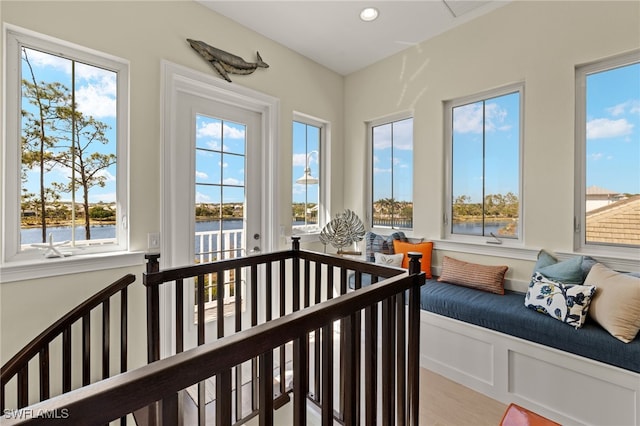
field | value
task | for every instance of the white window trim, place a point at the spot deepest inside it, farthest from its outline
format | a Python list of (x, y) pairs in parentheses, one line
[(622, 256), (324, 194), (399, 116), (16, 265), (482, 241)]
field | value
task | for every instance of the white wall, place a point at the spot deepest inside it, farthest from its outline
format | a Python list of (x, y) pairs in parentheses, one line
[(535, 42), (145, 33)]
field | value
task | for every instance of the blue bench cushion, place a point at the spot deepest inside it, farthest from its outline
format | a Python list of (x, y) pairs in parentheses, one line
[(507, 314)]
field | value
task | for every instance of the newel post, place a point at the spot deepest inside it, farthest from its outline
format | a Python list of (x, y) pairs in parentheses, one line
[(295, 243), (414, 262), (153, 310), (413, 361)]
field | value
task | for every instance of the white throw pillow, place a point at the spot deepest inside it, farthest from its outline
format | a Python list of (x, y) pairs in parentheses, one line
[(389, 259)]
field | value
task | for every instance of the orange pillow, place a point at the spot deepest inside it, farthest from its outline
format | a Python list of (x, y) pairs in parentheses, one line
[(425, 248)]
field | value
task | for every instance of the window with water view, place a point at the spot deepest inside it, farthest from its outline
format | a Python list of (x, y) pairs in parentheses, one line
[(219, 188), (69, 154), (485, 166), (306, 177), (392, 180)]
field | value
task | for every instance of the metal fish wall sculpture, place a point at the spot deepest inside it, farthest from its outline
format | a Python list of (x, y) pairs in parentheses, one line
[(226, 63)]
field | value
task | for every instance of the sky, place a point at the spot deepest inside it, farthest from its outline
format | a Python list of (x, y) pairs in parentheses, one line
[(96, 97), (612, 130), (393, 161), (496, 123), (306, 147), (220, 160)]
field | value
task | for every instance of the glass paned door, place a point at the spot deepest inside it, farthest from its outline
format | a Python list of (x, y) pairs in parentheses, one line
[(215, 205)]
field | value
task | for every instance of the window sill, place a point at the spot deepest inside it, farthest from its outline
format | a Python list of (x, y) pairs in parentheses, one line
[(506, 249), (29, 270), (614, 257)]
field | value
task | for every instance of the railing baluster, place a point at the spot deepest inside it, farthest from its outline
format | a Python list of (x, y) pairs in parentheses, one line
[(283, 301), (44, 373), (223, 404), (327, 374), (220, 303), (329, 282), (387, 364), (413, 346), (301, 382), (268, 291), (106, 337), (86, 349), (254, 322), (179, 315), (266, 389), (317, 336), (123, 338), (124, 318), (371, 364), (349, 371), (401, 394), (238, 327), (23, 387), (66, 360)]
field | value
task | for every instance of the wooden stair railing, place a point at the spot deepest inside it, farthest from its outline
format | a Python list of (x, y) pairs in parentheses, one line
[(18, 366), (163, 379), (288, 282)]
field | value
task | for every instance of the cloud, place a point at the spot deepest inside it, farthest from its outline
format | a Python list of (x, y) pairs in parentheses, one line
[(402, 135), (232, 181), (604, 128), (596, 156), (214, 130), (377, 170), (109, 177), (106, 197), (41, 59), (301, 159), (471, 118), (201, 175), (96, 88), (628, 107), (202, 198)]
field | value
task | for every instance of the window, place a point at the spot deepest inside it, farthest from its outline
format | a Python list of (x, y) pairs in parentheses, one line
[(608, 150), (392, 173), (308, 206), (66, 146), (484, 159)]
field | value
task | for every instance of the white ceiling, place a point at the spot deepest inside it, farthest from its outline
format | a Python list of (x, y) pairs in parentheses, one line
[(332, 34)]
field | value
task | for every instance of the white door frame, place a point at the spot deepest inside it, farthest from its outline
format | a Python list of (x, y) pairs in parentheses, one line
[(175, 79)]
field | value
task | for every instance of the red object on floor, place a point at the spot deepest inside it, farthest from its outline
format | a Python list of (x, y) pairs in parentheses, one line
[(519, 416)]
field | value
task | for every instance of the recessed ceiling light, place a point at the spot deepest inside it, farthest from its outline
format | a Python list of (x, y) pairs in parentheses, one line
[(369, 14)]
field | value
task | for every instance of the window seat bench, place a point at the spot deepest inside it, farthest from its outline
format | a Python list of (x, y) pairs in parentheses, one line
[(497, 346), (507, 314)]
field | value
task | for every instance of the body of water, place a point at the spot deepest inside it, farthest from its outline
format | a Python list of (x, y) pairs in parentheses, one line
[(475, 228), (99, 232)]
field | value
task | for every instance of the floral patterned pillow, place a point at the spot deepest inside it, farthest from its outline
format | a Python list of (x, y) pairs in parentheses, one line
[(564, 302)]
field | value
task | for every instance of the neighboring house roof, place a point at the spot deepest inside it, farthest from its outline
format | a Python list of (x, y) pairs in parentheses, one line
[(598, 190), (617, 223)]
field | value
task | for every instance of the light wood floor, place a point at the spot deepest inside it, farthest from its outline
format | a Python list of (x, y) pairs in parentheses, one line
[(446, 403), (442, 403)]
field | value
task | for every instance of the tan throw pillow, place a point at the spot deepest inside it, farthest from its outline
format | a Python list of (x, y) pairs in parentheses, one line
[(616, 304), (481, 277)]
